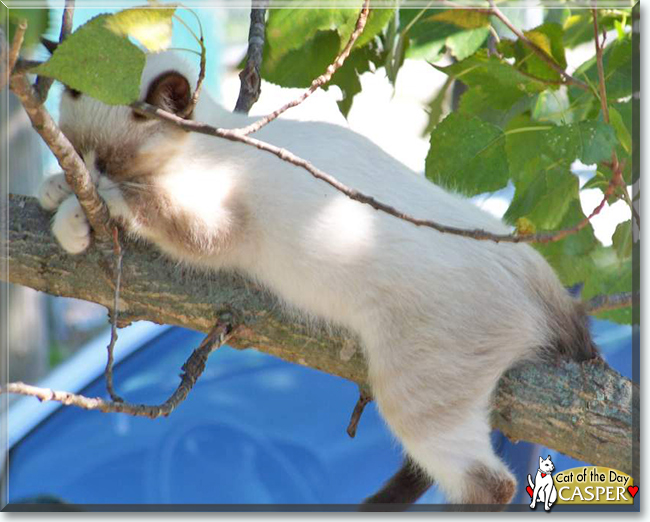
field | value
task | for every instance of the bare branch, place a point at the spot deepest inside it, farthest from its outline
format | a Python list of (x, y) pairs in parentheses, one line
[(108, 372), (601, 70), (10, 56), (604, 303), (76, 173), (192, 370), (43, 83), (321, 80), (478, 234), (250, 78), (364, 398)]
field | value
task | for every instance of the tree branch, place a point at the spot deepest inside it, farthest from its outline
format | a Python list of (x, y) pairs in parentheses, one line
[(251, 82), (494, 10), (586, 410), (10, 55), (76, 173)]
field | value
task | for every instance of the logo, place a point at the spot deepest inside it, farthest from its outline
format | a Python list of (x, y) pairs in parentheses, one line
[(585, 485), (543, 490)]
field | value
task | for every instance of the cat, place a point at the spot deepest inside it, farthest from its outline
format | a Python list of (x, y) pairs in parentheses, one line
[(544, 488), (440, 317)]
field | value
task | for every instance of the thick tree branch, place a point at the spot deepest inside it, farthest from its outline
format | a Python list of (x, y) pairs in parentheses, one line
[(586, 410)]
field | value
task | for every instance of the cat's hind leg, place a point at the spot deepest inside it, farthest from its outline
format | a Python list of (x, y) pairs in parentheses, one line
[(444, 426)]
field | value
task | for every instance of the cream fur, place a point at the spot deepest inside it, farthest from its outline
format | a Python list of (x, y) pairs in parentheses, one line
[(440, 317)]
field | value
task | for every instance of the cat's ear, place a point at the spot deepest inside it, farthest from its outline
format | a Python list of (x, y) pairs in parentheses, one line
[(170, 91), (540, 461), (549, 457)]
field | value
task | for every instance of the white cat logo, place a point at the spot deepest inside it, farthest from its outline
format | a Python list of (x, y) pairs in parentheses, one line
[(543, 489)]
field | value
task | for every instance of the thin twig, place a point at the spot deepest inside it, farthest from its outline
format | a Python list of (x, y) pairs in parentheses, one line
[(10, 56), (494, 10), (322, 79), (364, 399), (603, 303), (251, 82), (43, 83), (236, 136), (108, 372), (192, 370), (76, 173)]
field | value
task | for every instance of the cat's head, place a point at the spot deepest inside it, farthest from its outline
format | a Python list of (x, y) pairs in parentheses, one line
[(545, 465), (120, 143)]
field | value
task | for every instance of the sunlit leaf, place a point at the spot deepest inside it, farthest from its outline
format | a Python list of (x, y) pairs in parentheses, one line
[(152, 27)]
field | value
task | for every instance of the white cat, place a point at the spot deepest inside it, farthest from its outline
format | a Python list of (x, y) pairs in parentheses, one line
[(544, 488), (440, 317)]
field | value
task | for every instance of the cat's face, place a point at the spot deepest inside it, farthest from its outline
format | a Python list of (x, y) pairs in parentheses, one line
[(545, 465), (116, 141)]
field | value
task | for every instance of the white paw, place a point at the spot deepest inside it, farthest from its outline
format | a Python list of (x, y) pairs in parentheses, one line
[(53, 191), (70, 227)]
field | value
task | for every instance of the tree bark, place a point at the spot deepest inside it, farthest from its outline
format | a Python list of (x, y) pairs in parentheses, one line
[(586, 410)]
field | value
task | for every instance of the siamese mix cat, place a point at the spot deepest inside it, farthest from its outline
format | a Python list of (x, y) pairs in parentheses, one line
[(440, 317)]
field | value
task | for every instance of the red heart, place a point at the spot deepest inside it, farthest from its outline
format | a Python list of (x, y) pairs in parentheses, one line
[(632, 489), (543, 475), (530, 491)]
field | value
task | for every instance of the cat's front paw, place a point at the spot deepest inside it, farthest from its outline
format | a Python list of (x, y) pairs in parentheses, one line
[(70, 227), (53, 191)]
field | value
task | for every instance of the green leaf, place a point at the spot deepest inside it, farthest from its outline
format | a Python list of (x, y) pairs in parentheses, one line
[(617, 64), (622, 132), (299, 67), (609, 275), (151, 27), (37, 23), (466, 43), (622, 240), (570, 257), (545, 199), (555, 145), (463, 18), (301, 43), (97, 62), (430, 31), (597, 141), (435, 107), (467, 155), (547, 37)]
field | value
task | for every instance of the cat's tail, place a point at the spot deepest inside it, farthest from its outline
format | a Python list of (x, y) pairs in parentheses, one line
[(569, 330), (530, 482)]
